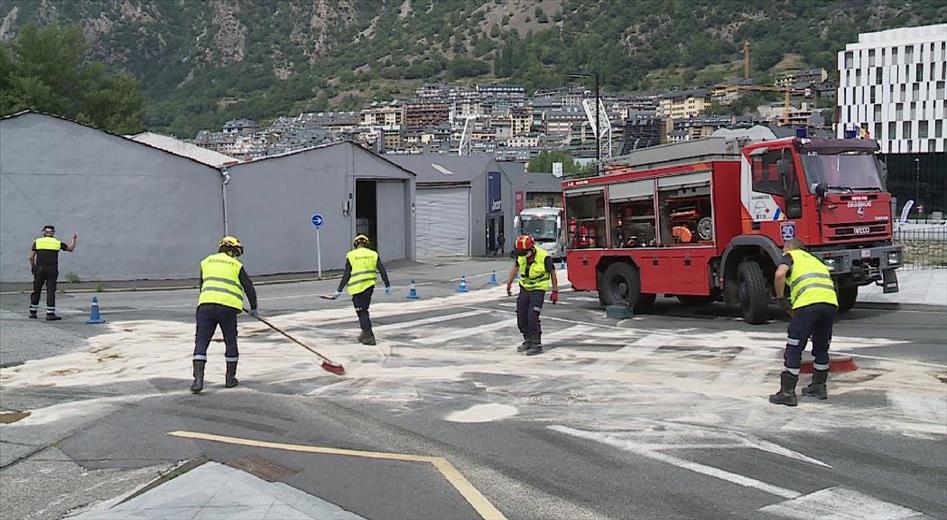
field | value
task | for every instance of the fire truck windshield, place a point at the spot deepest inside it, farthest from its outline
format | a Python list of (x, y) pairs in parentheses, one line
[(843, 171), (541, 228)]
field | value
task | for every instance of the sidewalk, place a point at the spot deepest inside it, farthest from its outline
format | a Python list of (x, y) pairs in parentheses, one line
[(924, 287)]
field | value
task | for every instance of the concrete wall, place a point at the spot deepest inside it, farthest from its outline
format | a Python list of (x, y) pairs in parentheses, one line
[(140, 213), (271, 201)]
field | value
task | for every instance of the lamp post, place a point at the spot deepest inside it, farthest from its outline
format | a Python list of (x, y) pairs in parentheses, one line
[(917, 183), (598, 125)]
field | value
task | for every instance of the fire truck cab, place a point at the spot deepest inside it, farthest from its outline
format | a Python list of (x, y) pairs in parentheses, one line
[(706, 220)]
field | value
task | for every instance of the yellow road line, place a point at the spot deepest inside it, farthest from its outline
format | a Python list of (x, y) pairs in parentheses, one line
[(481, 505)]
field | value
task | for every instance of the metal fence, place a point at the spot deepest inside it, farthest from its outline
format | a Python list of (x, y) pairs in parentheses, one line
[(924, 244)]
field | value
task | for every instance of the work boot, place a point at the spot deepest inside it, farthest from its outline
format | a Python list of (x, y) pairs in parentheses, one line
[(524, 346), (32, 315), (535, 347), (52, 317), (231, 379), (817, 389), (369, 339), (198, 383), (787, 390)]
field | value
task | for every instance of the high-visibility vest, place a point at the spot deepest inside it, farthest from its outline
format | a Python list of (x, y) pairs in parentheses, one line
[(364, 264), (537, 277), (48, 244), (809, 281), (220, 281)]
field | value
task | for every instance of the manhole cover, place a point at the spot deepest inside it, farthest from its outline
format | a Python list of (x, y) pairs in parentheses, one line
[(261, 467), (12, 417)]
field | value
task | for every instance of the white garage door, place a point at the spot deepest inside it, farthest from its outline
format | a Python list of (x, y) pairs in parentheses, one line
[(443, 221)]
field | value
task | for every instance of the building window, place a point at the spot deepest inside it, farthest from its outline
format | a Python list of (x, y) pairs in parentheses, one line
[(877, 134), (904, 92), (922, 129), (879, 74), (906, 130), (899, 111), (916, 92), (877, 112), (940, 90), (919, 72), (872, 93), (912, 110), (894, 55), (892, 130), (871, 57), (909, 54), (858, 78), (938, 128), (848, 60)]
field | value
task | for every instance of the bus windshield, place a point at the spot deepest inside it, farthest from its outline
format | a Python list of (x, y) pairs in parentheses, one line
[(541, 227), (843, 171)]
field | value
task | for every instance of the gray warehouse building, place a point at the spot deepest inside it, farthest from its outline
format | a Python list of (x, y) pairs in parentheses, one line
[(462, 203), (145, 213)]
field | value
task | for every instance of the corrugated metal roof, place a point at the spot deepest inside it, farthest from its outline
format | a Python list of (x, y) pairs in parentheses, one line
[(438, 168)]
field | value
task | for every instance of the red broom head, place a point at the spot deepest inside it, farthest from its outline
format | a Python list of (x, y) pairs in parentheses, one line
[(335, 368)]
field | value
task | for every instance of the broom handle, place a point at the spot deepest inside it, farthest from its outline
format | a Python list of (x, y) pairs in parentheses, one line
[(294, 340)]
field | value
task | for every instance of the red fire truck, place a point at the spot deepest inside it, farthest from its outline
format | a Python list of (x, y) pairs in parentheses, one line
[(706, 220)]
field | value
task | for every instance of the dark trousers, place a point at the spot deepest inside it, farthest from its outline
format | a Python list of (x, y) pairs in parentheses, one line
[(44, 275), (362, 301), (813, 321), (208, 317), (529, 304)]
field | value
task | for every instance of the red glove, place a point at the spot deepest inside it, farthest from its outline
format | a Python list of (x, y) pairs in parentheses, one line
[(509, 289), (554, 297)]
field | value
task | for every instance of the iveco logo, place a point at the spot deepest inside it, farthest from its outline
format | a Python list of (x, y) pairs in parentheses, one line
[(861, 212)]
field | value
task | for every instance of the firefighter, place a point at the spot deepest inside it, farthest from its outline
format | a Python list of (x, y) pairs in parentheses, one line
[(361, 265), (536, 269), (813, 307), (44, 264), (224, 282)]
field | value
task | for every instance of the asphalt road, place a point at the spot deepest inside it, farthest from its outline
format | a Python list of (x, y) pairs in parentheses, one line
[(660, 416)]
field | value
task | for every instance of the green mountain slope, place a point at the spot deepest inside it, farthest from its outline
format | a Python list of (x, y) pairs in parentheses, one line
[(203, 62)]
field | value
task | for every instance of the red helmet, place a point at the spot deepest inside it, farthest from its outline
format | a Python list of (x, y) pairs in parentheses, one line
[(524, 244)]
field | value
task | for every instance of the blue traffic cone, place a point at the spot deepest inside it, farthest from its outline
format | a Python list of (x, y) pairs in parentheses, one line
[(562, 263), (413, 292), (493, 278), (463, 284), (94, 317)]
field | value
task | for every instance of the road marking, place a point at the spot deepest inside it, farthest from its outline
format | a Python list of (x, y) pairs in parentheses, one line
[(839, 503), (481, 505), (710, 471), (464, 333), (428, 321)]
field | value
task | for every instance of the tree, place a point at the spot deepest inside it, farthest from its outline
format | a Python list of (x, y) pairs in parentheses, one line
[(544, 160), (45, 70)]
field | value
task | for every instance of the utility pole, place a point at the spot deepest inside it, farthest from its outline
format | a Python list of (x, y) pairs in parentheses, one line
[(746, 60), (598, 125)]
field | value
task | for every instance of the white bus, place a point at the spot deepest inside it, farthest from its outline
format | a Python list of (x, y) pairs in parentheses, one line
[(545, 226)]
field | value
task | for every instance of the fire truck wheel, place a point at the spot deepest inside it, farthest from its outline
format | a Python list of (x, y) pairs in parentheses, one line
[(847, 294), (620, 285), (754, 294)]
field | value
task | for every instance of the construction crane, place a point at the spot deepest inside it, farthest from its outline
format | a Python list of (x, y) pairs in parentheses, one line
[(787, 91)]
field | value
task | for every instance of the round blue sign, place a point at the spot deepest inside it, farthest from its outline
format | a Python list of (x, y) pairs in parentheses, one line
[(316, 220)]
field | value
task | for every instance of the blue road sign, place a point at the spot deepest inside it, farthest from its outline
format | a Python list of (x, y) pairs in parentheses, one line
[(316, 220)]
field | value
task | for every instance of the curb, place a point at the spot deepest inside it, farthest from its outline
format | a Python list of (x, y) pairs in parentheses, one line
[(158, 288)]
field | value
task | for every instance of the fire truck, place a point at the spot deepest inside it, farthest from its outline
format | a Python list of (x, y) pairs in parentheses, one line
[(706, 221)]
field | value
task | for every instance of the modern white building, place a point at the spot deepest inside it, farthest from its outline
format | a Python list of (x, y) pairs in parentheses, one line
[(892, 84)]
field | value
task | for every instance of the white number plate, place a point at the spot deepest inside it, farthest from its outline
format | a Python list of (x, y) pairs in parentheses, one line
[(866, 253)]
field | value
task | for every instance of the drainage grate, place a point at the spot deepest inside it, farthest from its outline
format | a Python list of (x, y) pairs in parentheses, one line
[(261, 467)]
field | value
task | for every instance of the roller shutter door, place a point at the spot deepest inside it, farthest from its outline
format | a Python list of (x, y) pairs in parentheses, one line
[(443, 221)]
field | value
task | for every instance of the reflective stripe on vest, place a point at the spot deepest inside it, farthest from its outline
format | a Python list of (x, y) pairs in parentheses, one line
[(537, 278), (364, 264), (809, 281), (220, 282), (48, 244)]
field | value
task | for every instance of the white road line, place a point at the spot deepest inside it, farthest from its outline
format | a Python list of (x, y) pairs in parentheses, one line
[(464, 333), (839, 503), (710, 471), (428, 321)]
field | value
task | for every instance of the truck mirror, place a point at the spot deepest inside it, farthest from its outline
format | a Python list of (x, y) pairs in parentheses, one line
[(820, 190)]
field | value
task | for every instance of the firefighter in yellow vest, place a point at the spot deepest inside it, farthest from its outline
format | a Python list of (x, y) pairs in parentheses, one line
[(224, 282), (813, 307), (44, 264), (362, 265), (536, 270)]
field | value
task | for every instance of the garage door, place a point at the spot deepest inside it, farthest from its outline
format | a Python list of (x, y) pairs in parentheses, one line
[(443, 221)]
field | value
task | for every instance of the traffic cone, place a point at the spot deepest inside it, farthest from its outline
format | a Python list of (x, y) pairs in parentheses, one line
[(562, 263), (413, 292), (94, 317), (463, 284), (493, 278)]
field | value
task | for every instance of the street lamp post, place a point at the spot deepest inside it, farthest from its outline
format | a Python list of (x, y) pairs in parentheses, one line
[(917, 183), (598, 124)]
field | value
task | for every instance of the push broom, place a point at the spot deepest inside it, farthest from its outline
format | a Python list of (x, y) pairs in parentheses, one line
[(327, 364)]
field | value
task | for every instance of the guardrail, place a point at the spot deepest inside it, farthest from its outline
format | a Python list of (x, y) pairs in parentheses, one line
[(924, 245)]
